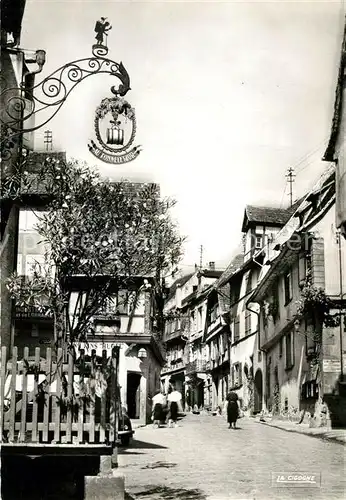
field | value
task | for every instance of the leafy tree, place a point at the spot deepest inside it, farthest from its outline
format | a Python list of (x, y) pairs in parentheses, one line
[(107, 233)]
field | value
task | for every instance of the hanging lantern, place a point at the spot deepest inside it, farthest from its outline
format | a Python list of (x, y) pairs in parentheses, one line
[(115, 136)]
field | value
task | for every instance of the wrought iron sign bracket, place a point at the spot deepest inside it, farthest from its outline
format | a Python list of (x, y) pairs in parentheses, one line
[(21, 104)]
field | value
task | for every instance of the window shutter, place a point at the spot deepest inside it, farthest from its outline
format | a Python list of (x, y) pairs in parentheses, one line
[(240, 373), (236, 329), (232, 375), (302, 267), (317, 262)]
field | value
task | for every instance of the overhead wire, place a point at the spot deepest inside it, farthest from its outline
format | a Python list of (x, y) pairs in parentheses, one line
[(301, 162), (283, 194)]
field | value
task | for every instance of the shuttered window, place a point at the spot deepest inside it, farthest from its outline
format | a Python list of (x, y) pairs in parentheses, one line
[(240, 374), (236, 328), (289, 350)]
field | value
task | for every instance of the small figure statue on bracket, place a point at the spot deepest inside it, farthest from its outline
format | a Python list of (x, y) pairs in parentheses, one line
[(101, 28)]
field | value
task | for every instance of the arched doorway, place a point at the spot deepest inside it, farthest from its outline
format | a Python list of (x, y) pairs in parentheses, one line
[(258, 395)]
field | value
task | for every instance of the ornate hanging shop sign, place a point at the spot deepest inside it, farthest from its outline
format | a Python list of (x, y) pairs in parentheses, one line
[(115, 123), (115, 130)]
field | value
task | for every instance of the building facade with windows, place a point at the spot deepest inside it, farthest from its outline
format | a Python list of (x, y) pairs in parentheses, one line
[(302, 343), (259, 227), (194, 308), (217, 342), (175, 335), (185, 312)]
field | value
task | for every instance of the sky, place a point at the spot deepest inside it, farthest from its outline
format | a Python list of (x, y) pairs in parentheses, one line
[(228, 96)]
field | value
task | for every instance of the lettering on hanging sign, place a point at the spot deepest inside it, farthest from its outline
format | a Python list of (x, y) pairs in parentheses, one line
[(113, 158)]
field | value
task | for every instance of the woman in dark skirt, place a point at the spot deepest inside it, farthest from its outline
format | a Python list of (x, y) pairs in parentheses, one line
[(232, 410), (157, 415), (173, 414)]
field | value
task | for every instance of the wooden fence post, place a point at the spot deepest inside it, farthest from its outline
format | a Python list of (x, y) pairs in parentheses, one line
[(103, 398), (59, 370), (2, 388), (24, 395), (46, 407), (92, 398), (69, 418), (13, 394), (81, 397)]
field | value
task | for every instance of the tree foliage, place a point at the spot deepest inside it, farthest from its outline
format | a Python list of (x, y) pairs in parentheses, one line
[(106, 232)]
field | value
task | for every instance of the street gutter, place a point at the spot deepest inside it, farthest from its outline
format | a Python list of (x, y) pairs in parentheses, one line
[(321, 435)]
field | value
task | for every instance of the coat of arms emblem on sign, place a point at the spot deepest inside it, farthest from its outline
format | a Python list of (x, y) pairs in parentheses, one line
[(115, 130), (115, 120)]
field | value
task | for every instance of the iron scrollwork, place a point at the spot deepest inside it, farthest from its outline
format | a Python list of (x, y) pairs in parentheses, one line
[(20, 104)]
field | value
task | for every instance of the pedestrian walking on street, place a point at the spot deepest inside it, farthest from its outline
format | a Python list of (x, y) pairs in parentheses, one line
[(232, 409), (159, 401), (174, 401)]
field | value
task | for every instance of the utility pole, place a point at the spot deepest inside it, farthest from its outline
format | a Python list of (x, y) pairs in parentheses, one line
[(290, 179), (201, 257), (48, 140)]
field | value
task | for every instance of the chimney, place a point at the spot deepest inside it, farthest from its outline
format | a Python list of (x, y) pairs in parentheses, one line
[(212, 266)]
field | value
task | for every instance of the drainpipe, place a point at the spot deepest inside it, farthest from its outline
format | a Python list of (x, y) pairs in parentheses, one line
[(258, 330)]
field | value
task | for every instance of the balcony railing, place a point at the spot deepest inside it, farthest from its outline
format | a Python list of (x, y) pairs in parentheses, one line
[(214, 325), (196, 366), (173, 366), (219, 360), (174, 334)]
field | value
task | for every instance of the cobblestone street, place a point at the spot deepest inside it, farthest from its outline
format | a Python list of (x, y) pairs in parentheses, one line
[(203, 459)]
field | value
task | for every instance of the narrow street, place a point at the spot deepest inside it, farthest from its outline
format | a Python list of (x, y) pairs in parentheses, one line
[(203, 459)]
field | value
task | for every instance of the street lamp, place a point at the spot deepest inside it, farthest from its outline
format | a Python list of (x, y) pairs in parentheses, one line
[(40, 58)]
